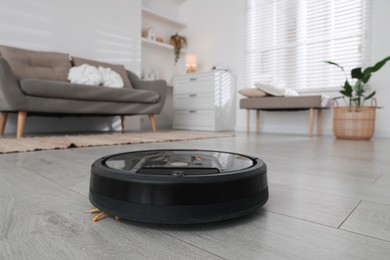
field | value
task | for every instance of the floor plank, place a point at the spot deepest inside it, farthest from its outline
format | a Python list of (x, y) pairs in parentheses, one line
[(267, 235), (315, 184), (42, 220), (311, 206), (371, 219), (383, 179)]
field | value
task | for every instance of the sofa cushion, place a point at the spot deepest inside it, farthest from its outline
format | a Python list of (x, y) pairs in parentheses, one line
[(65, 90), (281, 103), (120, 69), (36, 64)]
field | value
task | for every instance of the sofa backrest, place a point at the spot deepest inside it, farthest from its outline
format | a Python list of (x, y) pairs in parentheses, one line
[(36, 64)]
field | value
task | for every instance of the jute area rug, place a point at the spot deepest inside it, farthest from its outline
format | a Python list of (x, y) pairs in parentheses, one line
[(12, 145)]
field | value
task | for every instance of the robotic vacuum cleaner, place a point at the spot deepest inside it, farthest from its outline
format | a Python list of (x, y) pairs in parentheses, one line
[(178, 186)]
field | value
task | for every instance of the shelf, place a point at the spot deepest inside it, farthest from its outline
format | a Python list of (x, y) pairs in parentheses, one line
[(159, 44), (152, 14)]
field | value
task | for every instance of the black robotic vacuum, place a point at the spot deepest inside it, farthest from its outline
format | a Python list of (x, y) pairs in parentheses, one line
[(178, 186)]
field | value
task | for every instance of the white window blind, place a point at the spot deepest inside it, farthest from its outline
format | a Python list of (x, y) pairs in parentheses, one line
[(290, 39)]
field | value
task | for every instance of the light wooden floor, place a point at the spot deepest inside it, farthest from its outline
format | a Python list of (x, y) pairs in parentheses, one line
[(329, 199)]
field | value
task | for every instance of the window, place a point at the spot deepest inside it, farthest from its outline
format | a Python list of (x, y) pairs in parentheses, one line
[(290, 39)]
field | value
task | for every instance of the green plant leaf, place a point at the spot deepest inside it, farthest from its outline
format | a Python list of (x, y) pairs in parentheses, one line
[(358, 87), (335, 64), (357, 73), (365, 78), (178, 41), (370, 96), (347, 89), (376, 67), (345, 93)]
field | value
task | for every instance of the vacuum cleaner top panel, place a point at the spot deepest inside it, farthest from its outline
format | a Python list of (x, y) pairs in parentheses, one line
[(179, 162)]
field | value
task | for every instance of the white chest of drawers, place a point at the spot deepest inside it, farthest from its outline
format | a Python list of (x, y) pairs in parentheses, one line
[(204, 101)]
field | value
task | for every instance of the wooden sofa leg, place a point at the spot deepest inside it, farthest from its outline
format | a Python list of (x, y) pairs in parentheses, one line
[(311, 119), (3, 121), (319, 119), (123, 123), (152, 122), (21, 123)]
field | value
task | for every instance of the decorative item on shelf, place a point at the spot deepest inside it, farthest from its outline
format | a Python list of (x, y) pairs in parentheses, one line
[(149, 34), (356, 121), (178, 42), (160, 39), (191, 63), (150, 74)]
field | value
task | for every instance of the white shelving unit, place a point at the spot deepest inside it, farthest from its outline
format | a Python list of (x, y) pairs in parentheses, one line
[(154, 15), (161, 45), (162, 18)]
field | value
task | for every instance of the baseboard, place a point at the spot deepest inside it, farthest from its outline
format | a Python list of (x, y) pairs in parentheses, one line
[(326, 131), (284, 130), (382, 134)]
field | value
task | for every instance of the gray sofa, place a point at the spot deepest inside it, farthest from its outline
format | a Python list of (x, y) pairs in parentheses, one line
[(34, 82)]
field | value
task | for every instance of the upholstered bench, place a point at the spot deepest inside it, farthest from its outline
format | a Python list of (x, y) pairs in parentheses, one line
[(293, 103)]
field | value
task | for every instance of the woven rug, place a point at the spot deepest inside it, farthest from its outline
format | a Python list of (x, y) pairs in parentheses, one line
[(12, 145)]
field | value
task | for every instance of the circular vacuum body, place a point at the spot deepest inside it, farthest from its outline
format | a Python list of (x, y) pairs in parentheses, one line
[(178, 186)]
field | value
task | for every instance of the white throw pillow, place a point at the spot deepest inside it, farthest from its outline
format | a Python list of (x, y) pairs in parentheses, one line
[(110, 78), (290, 92), (276, 88), (85, 75)]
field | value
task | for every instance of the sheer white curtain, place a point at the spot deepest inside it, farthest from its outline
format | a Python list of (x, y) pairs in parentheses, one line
[(290, 39)]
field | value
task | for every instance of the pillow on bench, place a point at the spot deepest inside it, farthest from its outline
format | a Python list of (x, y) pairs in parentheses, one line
[(252, 92), (276, 89)]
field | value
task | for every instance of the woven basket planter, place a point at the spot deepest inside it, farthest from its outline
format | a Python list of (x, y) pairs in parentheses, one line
[(354, 123)]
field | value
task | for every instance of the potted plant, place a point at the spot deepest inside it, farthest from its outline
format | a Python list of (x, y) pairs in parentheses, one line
[(178, 42), (356, 121)]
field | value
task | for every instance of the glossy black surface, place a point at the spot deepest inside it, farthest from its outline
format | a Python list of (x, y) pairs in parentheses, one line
[(179, 162)]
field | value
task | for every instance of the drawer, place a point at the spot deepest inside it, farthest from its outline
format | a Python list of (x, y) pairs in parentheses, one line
[(198, 85), (188, 79), (194, 101), (194, 119)]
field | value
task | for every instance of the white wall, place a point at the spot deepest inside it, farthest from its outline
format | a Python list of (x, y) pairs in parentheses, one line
[(380, 48), (98, 29), (216, 31), (168, 8)]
